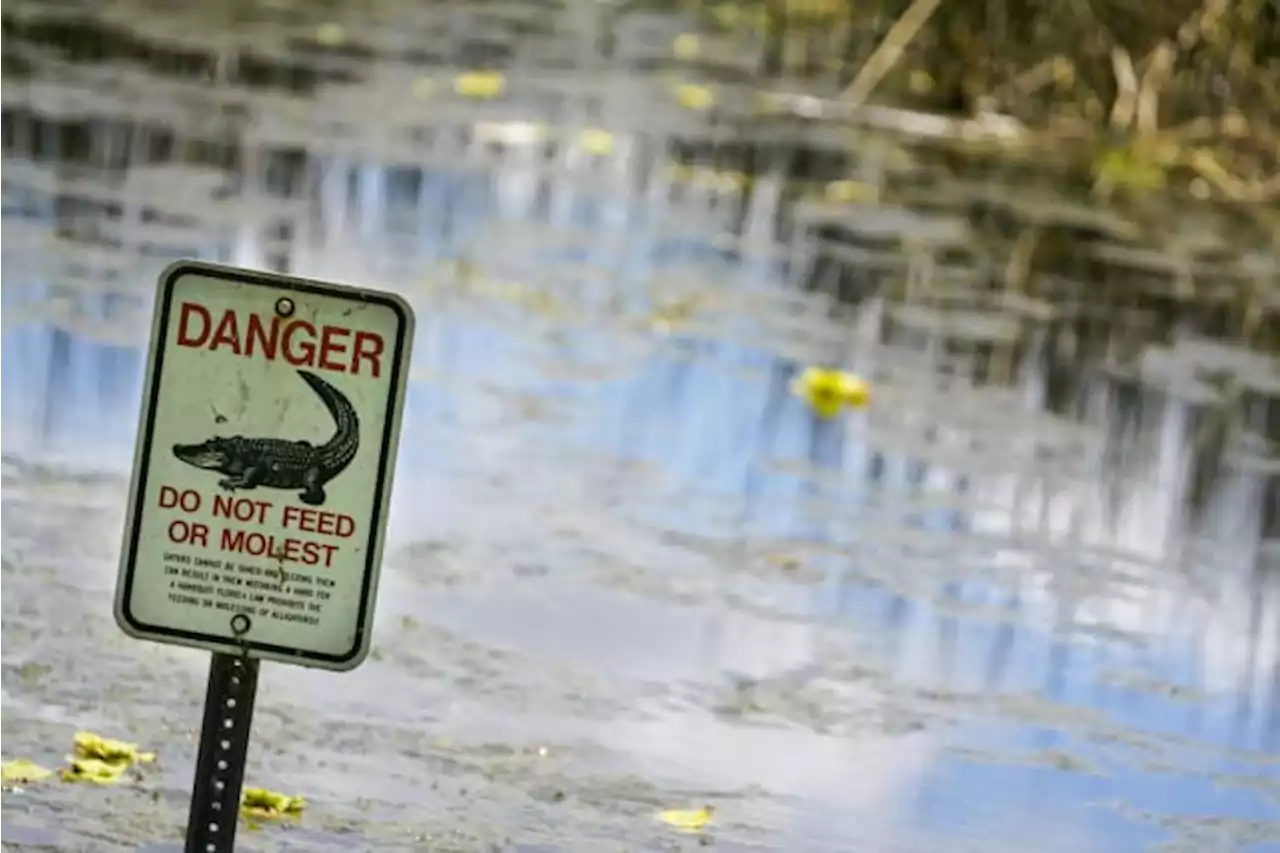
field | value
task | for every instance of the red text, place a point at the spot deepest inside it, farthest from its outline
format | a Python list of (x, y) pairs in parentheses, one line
[(284, 549), (318, 521), (298, 342)]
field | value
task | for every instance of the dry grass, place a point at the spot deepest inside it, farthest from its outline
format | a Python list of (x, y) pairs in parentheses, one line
[(1146, 95)]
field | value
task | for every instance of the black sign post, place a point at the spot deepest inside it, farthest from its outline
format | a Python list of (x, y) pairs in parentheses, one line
[(224, 743)]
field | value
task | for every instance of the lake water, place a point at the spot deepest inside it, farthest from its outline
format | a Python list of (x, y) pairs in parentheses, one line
[(628, 569)]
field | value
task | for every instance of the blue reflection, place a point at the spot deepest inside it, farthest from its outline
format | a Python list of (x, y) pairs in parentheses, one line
[(719, 416)]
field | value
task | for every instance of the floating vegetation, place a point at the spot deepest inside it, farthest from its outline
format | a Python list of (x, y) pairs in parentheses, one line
[(261, 804), (481, 85), (828, 392), (93, 770), (688, 820), (1058, 759), (102, 761), (1142, 682), (21, 771), (693, 97), (1050, 271)]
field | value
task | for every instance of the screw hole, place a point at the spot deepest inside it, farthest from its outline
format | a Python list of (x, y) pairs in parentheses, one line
[(222, 765), (213, 827), (231, 703), (226, 744)]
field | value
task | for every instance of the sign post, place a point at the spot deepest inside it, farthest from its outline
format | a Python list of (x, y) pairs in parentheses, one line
[(224, 743), (261, 481)]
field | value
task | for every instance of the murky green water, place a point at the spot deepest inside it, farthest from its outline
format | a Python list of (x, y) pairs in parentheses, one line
[(1005, 608)]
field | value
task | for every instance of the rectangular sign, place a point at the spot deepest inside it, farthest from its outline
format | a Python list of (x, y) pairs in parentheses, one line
[(262, 473)]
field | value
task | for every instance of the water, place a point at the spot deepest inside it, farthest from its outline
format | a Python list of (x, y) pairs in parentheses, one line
[(1028, 599)]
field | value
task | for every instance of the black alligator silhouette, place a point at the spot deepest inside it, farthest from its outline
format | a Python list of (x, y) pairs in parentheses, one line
[(278, 463)]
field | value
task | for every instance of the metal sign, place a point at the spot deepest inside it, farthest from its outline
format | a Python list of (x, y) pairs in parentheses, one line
[(262, 474)]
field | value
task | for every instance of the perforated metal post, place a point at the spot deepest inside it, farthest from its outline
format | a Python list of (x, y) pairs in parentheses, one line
[(224, 742)]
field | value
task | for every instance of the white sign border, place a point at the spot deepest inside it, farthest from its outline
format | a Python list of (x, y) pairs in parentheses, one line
[(297, 288)]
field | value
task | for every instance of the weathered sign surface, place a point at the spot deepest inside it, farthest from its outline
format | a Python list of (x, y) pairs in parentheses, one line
[(262, 473)]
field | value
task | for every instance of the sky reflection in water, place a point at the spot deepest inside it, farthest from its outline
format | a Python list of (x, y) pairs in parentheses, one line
[(657, 507)]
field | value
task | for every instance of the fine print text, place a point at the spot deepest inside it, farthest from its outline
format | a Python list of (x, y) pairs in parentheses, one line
[(287, 580)]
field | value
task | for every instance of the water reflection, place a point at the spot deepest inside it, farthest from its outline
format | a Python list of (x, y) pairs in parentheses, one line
[(984, 613)]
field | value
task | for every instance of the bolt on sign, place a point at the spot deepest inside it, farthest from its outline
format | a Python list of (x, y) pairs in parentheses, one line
[(262, 474)]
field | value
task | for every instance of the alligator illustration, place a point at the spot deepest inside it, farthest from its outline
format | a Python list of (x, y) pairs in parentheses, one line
[(278, 463)]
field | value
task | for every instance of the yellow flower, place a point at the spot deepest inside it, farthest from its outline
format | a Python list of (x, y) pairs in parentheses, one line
[(693, 97), (262, 804), (673, 313), (597, 141), (849, 192), (20, 771), (688, 820), (829, 391), (330, 34)]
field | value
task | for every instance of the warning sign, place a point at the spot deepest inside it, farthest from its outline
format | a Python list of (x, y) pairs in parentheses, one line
[(262, 474)]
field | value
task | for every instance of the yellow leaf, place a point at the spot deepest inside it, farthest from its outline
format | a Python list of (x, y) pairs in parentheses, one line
[(330, 35), (829, 391), (479, 84), (676, 311), (681, 172), (694, 97), (102, 760), (20, 771), (90, 745), (849, 191), (784, 561), (1133, 167), (688, 820), (597, 141), (685, 46), (263, 804), (728, 15), (920, 82), (93, 770)]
